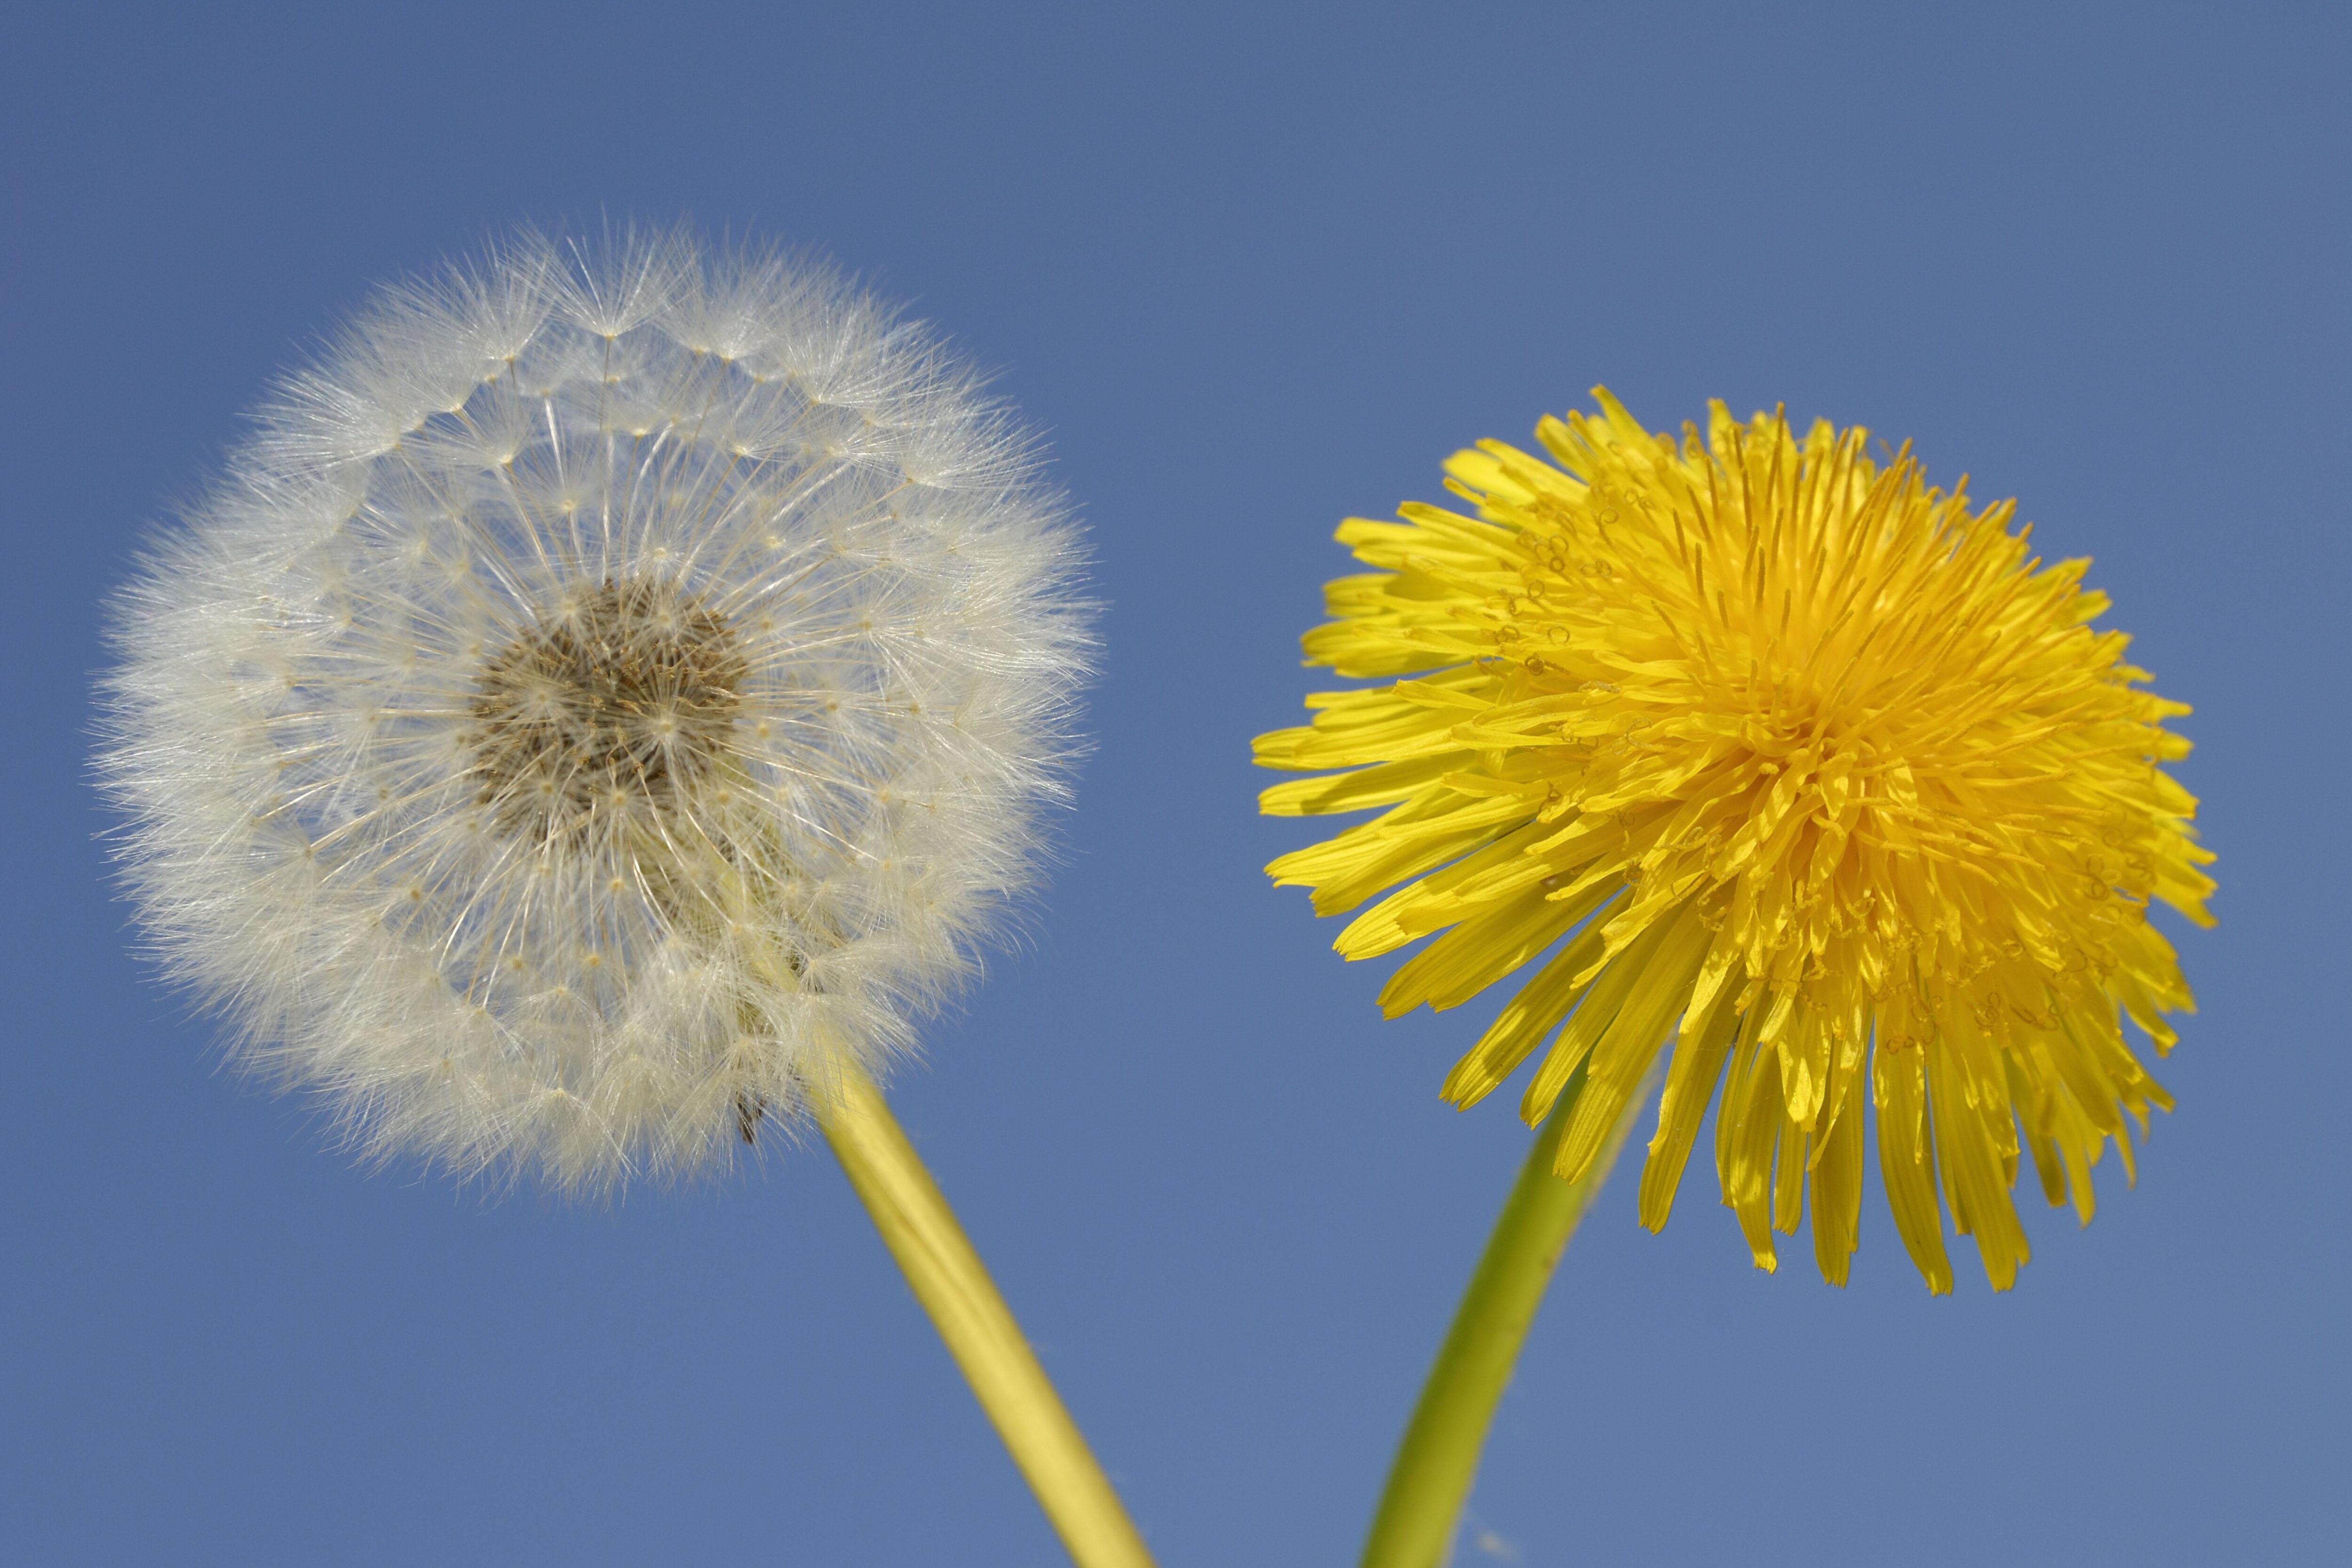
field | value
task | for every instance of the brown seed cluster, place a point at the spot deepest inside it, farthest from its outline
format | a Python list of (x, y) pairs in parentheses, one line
[(611, 704)]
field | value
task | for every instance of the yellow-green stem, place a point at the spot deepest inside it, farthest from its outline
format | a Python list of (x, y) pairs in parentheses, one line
[(953, 1285), (1438, 1458)]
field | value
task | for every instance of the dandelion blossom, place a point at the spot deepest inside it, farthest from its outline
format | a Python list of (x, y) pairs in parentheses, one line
[(610, 696), (1758, 748)]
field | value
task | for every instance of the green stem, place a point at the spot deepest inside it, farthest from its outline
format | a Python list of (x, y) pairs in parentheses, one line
[(949, 1278), (1439, 1456)]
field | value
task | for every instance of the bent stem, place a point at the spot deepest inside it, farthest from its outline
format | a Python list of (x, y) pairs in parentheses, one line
[(953, 1285), (1439, 1455)]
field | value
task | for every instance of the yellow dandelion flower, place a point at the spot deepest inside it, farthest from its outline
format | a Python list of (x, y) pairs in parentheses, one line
[(1787, 760)]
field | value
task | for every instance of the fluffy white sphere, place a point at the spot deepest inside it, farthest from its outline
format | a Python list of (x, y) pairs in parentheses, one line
[(615, 689)]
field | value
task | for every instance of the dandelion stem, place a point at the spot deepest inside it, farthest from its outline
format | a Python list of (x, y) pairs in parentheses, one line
[(953, 1285), (1439, 1455)]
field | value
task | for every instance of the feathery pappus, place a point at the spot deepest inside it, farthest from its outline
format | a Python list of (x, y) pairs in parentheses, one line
[(616, 687)]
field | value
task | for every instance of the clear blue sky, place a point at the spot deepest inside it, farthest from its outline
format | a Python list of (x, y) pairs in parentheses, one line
[(1250, 272)]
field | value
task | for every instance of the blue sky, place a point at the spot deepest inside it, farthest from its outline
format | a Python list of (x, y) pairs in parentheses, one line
[(1250, 270)]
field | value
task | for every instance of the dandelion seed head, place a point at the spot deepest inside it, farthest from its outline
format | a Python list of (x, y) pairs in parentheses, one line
[(615, 688)]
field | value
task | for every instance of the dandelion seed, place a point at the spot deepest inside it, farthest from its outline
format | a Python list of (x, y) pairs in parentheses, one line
[(611, 694), (610, 699), (1819, 777)]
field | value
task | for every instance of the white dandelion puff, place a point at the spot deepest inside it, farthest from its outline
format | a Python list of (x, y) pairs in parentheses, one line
[(612, 695)]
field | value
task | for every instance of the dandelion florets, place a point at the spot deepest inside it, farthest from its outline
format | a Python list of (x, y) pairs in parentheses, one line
[(1785, 760), (614, 691)]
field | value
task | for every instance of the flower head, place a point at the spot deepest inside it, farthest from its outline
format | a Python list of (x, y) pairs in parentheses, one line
[(1784, 759), (614, 690)]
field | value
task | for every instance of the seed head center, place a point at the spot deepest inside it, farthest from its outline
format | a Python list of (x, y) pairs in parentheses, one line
[(614, 704)]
